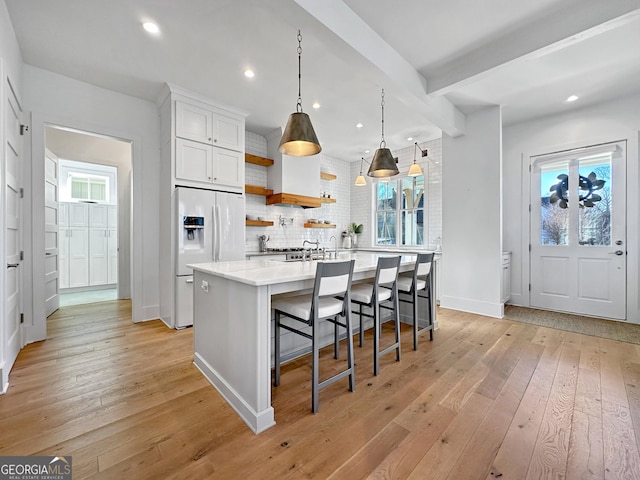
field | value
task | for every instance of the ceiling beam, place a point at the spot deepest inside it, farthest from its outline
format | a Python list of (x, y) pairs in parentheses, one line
[(343, 22), (556, 31)]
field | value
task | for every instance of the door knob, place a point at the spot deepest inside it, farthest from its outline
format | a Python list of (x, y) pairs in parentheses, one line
[(617, 252), (13, 265)]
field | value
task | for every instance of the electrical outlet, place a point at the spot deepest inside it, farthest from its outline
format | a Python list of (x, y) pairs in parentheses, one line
[(205, 285)]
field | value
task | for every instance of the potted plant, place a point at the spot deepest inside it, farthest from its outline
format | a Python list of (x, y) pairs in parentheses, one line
[(355, 230)]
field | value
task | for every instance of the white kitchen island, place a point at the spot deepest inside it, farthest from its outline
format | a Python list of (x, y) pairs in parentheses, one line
[(232, 324)]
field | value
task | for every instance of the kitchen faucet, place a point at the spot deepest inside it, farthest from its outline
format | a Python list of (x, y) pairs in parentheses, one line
[(335, 251), (316, 243)]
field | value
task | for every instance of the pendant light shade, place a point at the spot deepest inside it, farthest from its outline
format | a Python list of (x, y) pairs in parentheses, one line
[(299, 138), (414, 169), (360, 180), (383, 163)]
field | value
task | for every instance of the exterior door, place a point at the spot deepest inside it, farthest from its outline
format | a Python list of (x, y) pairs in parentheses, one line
[(578, 231), (11, 322), (51, 234)]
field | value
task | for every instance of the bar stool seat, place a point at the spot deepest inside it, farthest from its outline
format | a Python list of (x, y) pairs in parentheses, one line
[(363, 293), (300, 306), (406, 283), (333, 279)]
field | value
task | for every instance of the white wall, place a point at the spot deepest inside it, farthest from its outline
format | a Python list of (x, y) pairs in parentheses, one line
[(10, 71), (58, 100), (612, 121), (471, 269)]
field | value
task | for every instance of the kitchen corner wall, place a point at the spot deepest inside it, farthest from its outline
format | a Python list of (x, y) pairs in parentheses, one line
[(362, 197), (294, 234)]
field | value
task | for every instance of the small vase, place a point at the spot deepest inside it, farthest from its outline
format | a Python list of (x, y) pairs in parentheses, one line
[(354, 240)]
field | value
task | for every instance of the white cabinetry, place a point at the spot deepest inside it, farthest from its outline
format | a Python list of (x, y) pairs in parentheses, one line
[(88, 241), (209, 147), (506, 276)]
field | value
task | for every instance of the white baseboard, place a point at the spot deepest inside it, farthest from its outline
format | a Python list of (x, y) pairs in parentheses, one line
[(479, 307)]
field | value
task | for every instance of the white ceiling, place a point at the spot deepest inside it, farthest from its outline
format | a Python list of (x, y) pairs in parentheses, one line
[(436, 60)]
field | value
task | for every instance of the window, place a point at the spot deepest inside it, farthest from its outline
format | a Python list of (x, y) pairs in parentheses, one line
[(400, 212), (92, 188)]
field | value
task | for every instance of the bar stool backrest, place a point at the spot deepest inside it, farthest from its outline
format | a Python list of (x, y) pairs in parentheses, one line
[(333, 278), (387, 270), (423, 266)]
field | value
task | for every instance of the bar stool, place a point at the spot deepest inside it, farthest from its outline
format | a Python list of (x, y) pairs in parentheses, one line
[(383, 289), (332, 279), (417, 286)]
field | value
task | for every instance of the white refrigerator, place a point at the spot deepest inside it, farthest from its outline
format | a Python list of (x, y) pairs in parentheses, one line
[(210, 228)]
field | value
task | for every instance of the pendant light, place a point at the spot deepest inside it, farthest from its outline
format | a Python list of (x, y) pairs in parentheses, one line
[(383, 163), (414, 169), (299, 139), (360, 180)]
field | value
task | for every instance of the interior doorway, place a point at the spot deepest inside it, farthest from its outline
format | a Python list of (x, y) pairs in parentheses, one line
[(92, 229)]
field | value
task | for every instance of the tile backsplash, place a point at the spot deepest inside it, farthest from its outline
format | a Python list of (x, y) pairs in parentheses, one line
[(352, 203)]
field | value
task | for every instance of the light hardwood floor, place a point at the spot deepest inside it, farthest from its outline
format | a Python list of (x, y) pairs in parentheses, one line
[(487, 399)]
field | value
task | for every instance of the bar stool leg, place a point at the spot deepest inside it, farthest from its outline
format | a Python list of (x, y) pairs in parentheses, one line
[(361, 327), (336, 345), (350, 355), (314, 367), (415, 318), (396, 313), (276, 353), (376, 337)]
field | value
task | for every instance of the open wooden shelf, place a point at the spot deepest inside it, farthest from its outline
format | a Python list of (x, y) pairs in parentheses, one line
[(327, 176), (257, 190), (291, 199), (319, 225), (327, 200), (258, 223), (256, 160)]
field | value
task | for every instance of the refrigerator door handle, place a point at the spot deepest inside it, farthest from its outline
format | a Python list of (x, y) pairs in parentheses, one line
[(218, 231), (189, 280), (213, 233)]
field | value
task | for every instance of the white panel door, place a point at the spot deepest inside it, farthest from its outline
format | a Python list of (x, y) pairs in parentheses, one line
[(78, 214), (578, 228), (10, 323), (112, 251), (78, 256), (98, 256), (63, 256), (51, 233), (98, 215)]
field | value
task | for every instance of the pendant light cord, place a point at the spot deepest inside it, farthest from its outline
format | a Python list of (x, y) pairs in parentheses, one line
[(383, 143), (299, 104)]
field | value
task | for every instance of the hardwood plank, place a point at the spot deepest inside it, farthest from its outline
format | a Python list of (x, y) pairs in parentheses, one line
[(549, 459), (514, 455), (631, 374), (586, 456), (621, 459)]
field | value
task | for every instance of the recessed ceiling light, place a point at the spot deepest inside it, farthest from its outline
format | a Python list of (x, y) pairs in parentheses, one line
[(249, 73), (409, 139), (358, 125), (316, 105), (151, 27), (367, 151), (572, 98)]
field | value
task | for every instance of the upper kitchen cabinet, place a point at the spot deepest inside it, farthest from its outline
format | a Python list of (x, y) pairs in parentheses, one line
[(202, 144), (208, 125)]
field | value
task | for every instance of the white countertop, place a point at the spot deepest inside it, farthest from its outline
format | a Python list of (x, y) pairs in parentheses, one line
[(270, 272)]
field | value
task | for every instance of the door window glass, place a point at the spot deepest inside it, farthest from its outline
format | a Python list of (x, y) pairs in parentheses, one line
[(594, 190), (554, 202)]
